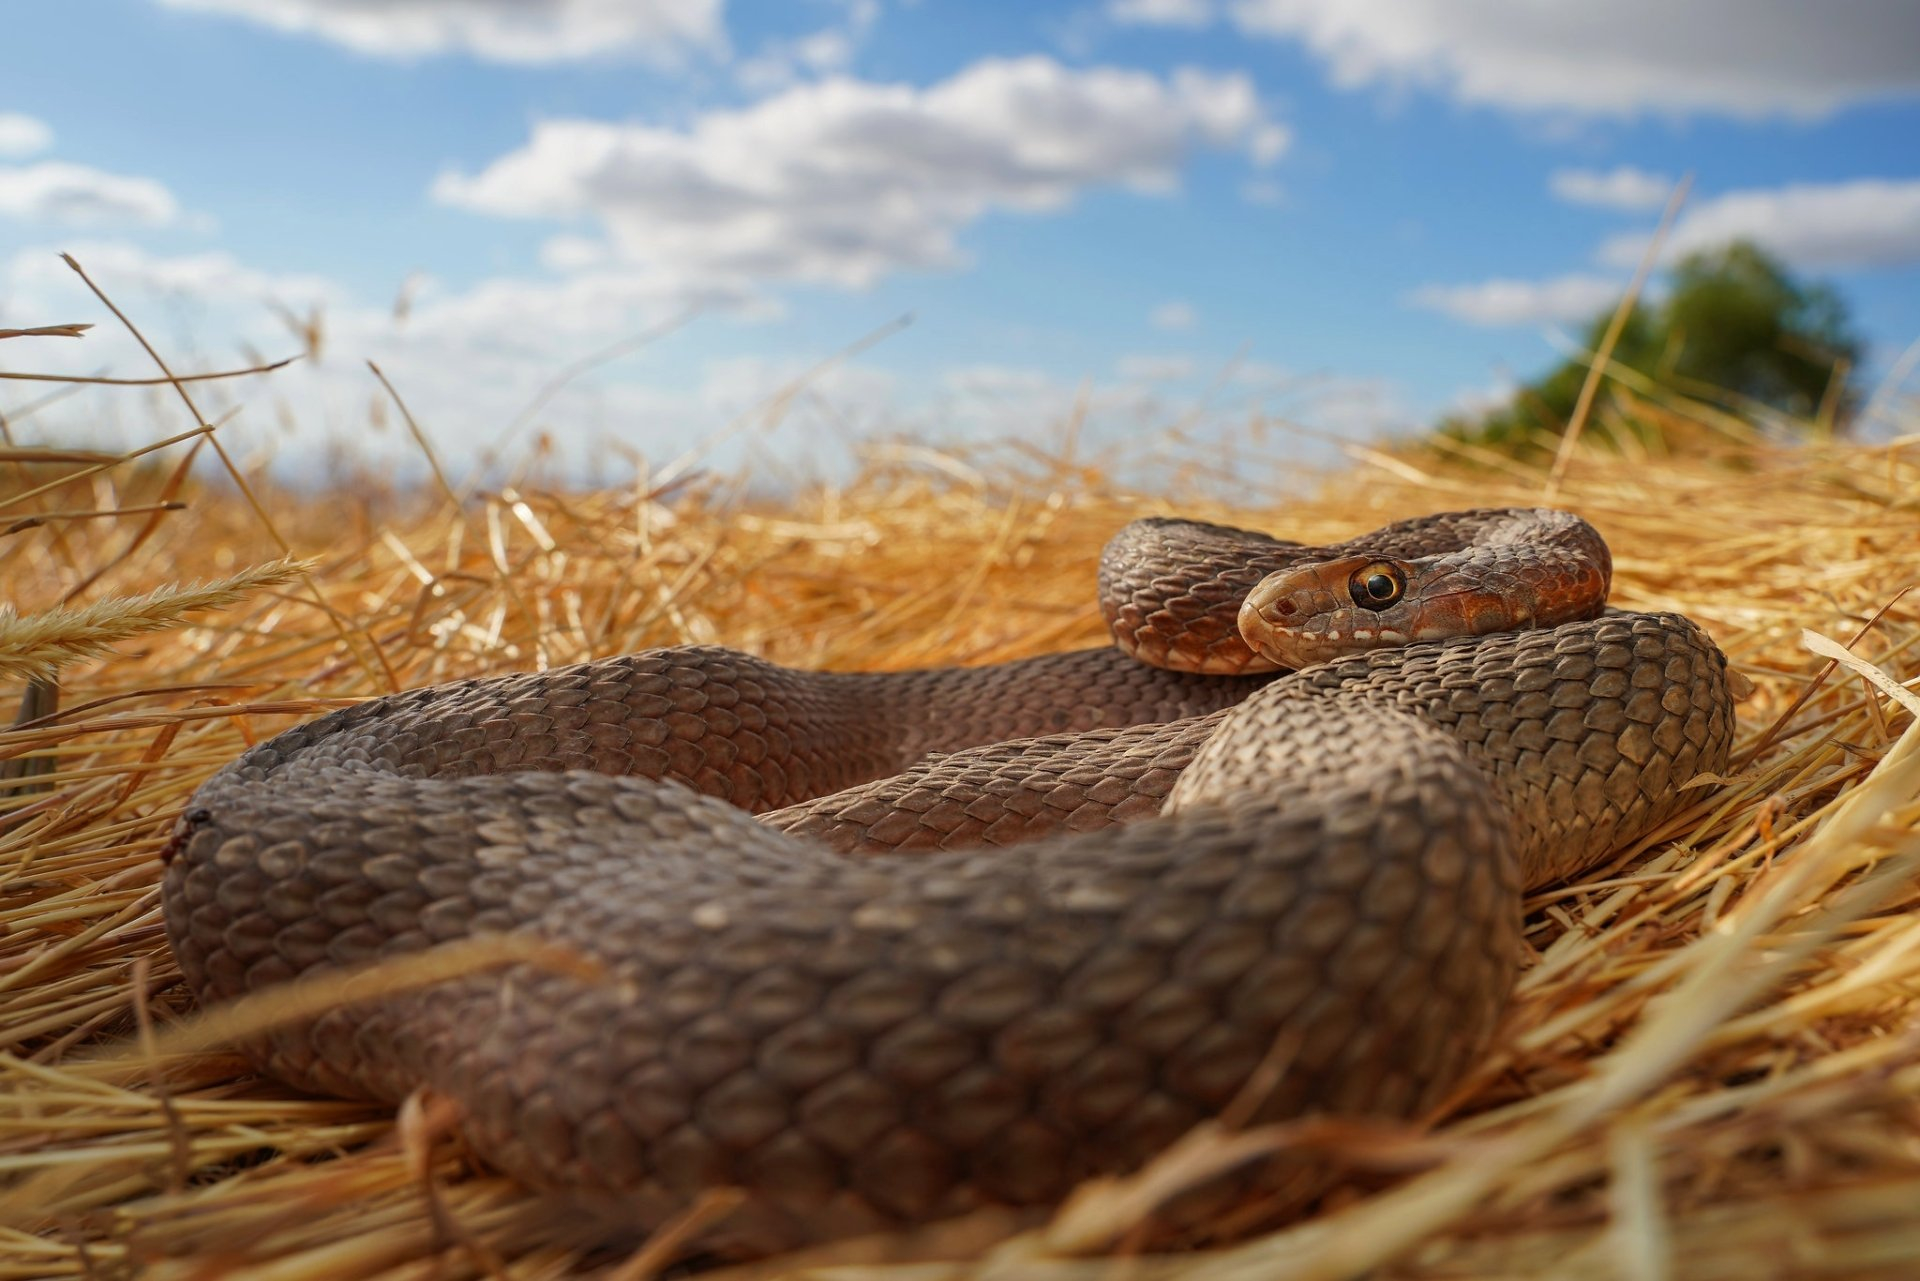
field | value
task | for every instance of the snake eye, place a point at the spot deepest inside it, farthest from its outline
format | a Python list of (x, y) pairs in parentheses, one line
[(1377, 586)]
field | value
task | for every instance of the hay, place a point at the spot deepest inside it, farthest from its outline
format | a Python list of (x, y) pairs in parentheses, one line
[(1710, 1069)]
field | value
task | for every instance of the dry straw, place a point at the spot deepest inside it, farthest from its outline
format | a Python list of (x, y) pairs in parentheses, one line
[(1710, 1070), (41, 645)]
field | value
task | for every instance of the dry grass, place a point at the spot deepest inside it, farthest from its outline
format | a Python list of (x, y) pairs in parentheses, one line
[(1710, 1071)]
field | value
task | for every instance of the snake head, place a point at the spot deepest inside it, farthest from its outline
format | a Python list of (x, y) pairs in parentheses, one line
[(1333, 608)]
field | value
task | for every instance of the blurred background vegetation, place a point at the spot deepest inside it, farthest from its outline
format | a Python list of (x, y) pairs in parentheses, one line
[(1732, 327)]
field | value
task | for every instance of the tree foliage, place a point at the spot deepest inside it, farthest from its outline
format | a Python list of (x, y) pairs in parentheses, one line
[(1732, 321)]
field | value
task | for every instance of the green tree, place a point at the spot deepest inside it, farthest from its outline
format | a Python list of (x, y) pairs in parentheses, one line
[(1732, 321)]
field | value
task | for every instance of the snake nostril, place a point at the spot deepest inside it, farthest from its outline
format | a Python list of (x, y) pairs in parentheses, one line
[(1284, 608)]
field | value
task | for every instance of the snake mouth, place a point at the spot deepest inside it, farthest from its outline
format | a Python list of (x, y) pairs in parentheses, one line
[(1271, 616)]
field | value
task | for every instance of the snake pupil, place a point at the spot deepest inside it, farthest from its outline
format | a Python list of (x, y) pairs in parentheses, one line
[(1377, 586)]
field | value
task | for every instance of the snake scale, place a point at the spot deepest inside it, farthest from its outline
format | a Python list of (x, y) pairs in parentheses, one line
[(824, 984)]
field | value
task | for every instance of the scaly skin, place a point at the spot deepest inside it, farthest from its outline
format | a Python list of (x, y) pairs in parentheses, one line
[(881, 1041)]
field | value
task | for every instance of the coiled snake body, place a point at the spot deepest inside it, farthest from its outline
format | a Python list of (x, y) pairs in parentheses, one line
[(1333, 889)]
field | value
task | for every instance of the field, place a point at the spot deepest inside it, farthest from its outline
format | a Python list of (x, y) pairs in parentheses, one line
[(1711, 1069)]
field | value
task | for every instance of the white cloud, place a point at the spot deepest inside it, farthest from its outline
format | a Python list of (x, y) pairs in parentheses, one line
[(574, 253), (77, 196), (1175, 315), (785, 61), (1012, 402), (545, 319), (36, 279), (1477, 402), (1521, 302), (1745, 58), (831, 49), (1267, 142), (1866, 223), (1154, 367), (845, 181), (1264, 192), (988, 379), (23, 135), (736, 385), (1351, 406), (1624, 187), (542, 321), (466, 360), (1132, 413), (1192, 14), (514, 31), (1263, 375)]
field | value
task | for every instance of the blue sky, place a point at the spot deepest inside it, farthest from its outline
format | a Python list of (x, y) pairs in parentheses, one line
[(1355, 214)]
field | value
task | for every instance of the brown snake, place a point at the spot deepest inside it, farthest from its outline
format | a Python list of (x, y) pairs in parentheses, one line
[(1333, 889)]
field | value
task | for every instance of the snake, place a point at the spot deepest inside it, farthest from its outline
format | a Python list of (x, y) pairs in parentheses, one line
[(879, 949)]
